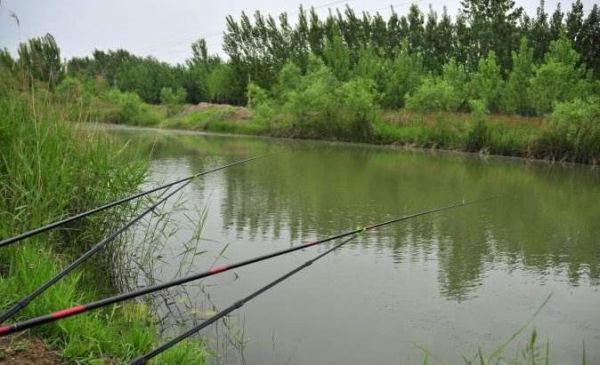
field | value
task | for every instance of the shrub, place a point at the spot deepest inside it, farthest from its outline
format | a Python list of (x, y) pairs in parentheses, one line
[(559, 79), (433, 95), (478, 134), (573, 131), (70, 89), (357, 108), (172, 99), (131, 109)]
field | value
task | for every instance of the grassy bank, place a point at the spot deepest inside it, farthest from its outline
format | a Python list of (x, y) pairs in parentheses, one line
[(49, 169), (571, 133)]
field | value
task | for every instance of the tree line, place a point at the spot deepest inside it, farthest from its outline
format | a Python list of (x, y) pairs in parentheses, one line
[(492, 52)]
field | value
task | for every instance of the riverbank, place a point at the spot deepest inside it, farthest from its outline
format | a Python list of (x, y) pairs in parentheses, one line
[(51, 169), (567, 135)]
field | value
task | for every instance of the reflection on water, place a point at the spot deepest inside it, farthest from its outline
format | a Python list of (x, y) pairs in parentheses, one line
[(448, 282)]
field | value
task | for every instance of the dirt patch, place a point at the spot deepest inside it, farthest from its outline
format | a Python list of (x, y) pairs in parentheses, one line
[(27, 351), (234, 113)]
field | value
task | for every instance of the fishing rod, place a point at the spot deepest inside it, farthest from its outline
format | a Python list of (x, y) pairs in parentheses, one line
[(24, 302), (82, 308), (47, 227), (144, 358)]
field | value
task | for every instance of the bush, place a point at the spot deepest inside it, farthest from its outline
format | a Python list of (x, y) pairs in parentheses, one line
[(357, 108), (405, 76), (559, 79), (131, 109), (573, 131), (433, 95), (172, 99), (478, 134)]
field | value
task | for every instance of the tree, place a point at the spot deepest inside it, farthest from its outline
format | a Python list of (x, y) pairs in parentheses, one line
[(517, 88), (372, 66), (589, 45), (337, 57), (40, 58), (404, 77), (487, 83), (454, 74), (416, 31), (559, 78), (574, 23), (493, 24), (540, 36), (221, 84), (556, 23)]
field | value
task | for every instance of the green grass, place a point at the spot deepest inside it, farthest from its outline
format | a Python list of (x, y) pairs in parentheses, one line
[(49, 169), (567, 135)]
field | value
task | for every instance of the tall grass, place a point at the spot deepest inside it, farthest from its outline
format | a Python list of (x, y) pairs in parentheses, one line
[(49, 169)]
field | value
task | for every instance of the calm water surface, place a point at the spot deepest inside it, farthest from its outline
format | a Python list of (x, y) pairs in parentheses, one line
[(448, 283)]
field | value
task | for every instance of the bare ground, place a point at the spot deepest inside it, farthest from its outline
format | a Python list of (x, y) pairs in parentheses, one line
[(27, 351)]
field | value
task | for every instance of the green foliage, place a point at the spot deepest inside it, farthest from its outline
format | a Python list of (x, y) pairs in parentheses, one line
[(433, 95), (71, 89), (49, 169), (257, 96), (221, 83), (337, 56), (172, 99), (372, 66), (316, 104), (40, 59), (573, 131), (559, 79), (405, 76), (516, 96), (454, 74), (357, 108), (146, 77), (312, 101), (288, 79), (487, 83), (131, 109), (6, 60), (478, 134)]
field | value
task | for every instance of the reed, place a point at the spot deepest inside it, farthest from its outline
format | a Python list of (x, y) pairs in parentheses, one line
[(49, 169)]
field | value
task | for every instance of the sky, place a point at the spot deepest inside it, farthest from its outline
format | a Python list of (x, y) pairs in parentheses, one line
[(165, 29)]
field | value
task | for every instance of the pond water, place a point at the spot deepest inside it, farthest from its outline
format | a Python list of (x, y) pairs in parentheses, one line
[(448, 283)]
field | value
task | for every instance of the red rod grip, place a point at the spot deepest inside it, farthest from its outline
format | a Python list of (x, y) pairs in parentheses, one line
[(68, 312), (217, 269)]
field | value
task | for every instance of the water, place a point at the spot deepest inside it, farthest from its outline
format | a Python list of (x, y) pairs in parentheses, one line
[(448, 283)]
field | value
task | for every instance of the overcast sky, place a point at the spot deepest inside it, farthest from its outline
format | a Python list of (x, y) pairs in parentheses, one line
[(165, 29)]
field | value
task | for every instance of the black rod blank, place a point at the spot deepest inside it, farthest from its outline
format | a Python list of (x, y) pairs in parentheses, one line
[(61, 222), (82, 308), (144, 358)]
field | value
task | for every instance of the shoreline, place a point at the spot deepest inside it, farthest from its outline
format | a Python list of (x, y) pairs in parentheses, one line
[(388, 146)]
